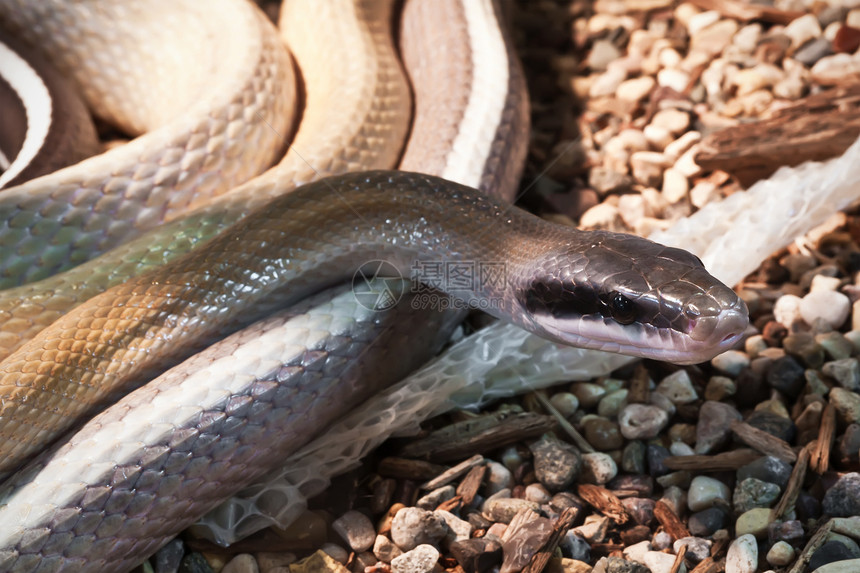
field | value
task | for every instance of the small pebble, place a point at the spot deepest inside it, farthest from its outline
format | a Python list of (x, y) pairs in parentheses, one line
[(829, 306), (801, 30), (598, 468), (556, 463), (731, 362), (659, 562), (413, 526), (846, 372), (743, 555), (780, 554), (611, 404), (421, 559), (498, 478), (678, 388), (754, 522), (706, 492), (847, 405), (719, 387), (241, 563), (698, 549), (385, 550), (537, 493), (565, 402), (637, 551), (588, 394), (503, 509), (458, 529), (831, 552), (847, 566), (843, 499), (356, 529), (706, 522), (786, 310), (635, 89), (640, 421), (433, 499), (769, 469), (713, 428), (751, 493), (336, 552), (601, 433)]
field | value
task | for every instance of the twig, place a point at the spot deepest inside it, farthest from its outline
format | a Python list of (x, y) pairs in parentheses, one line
[(453, 473), (792, 490), (819, 460), (574, 435), (761, 441), (720, 462)]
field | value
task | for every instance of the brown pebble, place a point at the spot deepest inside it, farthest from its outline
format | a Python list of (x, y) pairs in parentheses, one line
[(774, 333), (847, 40)]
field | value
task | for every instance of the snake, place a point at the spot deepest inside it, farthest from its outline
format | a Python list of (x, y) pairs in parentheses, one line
[(599, 290)]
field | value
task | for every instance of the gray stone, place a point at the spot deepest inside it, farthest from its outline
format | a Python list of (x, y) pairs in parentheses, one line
[(356, 529), (168, 558), (422, 559), (413, 526), (714, 426), (843, 499), (641, 421), (846, 372), (557, 464), (847, 405), (769, 469), (751, 493), (698, 549)]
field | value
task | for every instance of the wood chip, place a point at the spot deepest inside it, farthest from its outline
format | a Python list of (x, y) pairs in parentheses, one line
[(480, 434), (639, 391), (453, 473), (816, 541), (402, 468), (671, 523), (679, 559), (792, 490), (814, 128), (706, 565), (559, 529), (470, 485), (763, 442), (720, 462), (602, 500), (819, 459)]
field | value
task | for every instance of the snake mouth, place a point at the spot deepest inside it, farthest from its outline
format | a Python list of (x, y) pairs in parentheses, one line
[(704, 339)]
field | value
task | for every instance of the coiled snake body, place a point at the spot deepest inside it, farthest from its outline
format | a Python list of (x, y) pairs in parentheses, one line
[(599, 290)]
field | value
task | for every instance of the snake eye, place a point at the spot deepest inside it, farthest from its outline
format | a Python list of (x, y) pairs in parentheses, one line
[(622, 308)]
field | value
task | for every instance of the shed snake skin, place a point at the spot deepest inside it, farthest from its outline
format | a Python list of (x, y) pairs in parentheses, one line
[(537, 266)]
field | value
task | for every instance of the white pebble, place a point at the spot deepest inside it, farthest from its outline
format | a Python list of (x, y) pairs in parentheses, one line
[(657, 136), (356, 529), (681, 449), (705, 491), (673, 78), (637, 551), (802, 29), (675, 149), (640, 421), (498, 478), (607, 83), (648, 166), (635, 89), (786, 310), (672, 120), (602, 215), (675, 185), (830, 306), (780, 554), (678, 388), (731, 362), (242, 563), (422, 559), (743, 555), (701, 21), (686, 163), (823, 282), (659, 562), (704, 192), (598, 468), (853, 18)]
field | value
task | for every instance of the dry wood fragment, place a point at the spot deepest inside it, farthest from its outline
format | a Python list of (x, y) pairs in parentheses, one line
[(402, 468), (671, 523), (719, 462), (819, 459), (706, 565), (568, 428), (761, 441), (453, 472), (792, 490), (814, 128), (746, 11), (602, 500), (816, 541), (470, 485), (639, 391), (452, 505), (539, 560), (679, 559), (481, 434)]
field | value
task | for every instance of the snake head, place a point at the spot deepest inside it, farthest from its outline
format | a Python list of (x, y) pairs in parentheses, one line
[(625, 294)]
